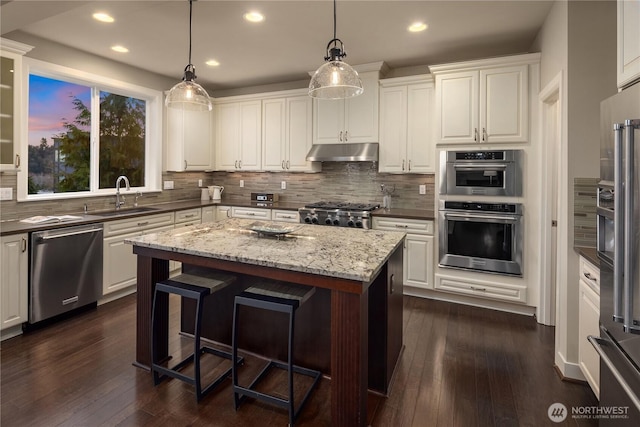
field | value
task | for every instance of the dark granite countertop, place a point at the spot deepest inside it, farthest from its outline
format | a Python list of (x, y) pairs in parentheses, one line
[(590, 254), (16, 227)]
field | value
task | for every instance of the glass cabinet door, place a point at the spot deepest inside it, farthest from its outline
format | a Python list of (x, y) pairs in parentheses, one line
[(7, 131)]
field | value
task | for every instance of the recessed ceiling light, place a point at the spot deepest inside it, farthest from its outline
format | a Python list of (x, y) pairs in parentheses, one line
[(212, 63), (416, 27), (119, 49), (254, 16), (103, 17)]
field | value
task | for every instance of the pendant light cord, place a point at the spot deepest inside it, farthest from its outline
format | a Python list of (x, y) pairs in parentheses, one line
[(190, 17), (334, 19)]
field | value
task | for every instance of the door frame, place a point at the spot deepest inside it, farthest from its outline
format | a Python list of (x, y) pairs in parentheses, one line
[(550, 98)]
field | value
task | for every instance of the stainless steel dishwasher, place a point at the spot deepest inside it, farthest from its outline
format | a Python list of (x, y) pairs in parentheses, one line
[(65, 270)]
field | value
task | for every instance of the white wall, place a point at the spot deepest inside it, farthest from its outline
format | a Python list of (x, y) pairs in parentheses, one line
[(577, 41)]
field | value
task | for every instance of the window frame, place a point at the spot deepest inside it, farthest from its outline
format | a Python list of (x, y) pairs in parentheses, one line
[(153, 128)]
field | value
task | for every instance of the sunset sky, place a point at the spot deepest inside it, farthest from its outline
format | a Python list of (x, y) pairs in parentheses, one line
[(50, 105)]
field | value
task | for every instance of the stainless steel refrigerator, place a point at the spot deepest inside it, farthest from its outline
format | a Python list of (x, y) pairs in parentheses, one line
[(619, 254)]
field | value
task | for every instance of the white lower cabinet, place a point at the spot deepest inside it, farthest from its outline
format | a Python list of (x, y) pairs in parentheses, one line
[(418, 248), (208, 214), (285, 216), (14, 292), (119, 261), (185, 218), (251, 213), (588, 324)]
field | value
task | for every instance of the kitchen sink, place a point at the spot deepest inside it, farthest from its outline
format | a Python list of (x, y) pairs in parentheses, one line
[(125, 211)]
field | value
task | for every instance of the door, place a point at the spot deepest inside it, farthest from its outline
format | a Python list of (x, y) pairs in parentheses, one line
[(628, 41), (274, 134), (421, 152), (14, 305), (418, 260), (393, 129), (227, 127), (457, 107), (250, 133), (503, 105), (298, 135), (361, 112), (328, 121), (198, 144)]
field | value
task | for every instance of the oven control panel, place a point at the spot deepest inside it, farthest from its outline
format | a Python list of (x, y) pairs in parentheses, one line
[(484, 207)]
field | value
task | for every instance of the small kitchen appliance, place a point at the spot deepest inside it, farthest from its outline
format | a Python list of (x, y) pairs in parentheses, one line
[(264, 197), (338, 214)]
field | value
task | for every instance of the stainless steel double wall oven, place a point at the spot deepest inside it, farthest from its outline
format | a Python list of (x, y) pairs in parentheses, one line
[(478, 235)]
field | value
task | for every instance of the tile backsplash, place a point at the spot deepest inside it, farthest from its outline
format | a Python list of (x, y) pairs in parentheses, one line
[(584, 211), (352, 181)]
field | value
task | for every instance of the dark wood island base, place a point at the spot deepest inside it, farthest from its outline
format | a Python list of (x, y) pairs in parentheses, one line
[(360, 323)]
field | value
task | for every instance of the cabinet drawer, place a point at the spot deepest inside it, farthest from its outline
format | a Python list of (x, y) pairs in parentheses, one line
[(223, 212), (138, 224), (188, 215), (414, 226), (287, 216), (251, 213), (490, 290), (590, 274)]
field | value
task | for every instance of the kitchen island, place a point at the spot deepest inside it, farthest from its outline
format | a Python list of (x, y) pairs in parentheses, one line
[(359, 272)]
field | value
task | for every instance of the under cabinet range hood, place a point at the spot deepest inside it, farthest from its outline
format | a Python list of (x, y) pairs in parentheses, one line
[(348, 152)]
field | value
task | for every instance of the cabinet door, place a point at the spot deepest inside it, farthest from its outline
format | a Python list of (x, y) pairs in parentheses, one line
[(274, 134), (328, 121), (393, 129), (361, 113), (421, 150), (250, 132), (418, 261), (119, 263), (189, 140), (457, 107), (208, 214), (227, 127), (299, 137), (14, 295), (628, 41), (588, 324), (504, 114)]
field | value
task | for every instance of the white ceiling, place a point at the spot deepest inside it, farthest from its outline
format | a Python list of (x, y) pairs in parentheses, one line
[(289, 43)]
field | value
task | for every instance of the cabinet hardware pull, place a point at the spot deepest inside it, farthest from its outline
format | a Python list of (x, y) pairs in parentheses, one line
[(340, 136), (473, 288), (403, 164), (24, 244), (484, 134), (392, 284), (346, 135), (288, 165), (283, 165), (251, 213), (475, 134), (401, 226), (140, 224), (409, 165), (185, 165), (189, 216), (17, 160), (590, 277), (239, 164), (236, 164)]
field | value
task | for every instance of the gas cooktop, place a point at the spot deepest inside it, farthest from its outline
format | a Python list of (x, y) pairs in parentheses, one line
[(338, 214)]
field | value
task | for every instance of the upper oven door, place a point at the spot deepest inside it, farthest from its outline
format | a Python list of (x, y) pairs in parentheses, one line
[(484, 177)]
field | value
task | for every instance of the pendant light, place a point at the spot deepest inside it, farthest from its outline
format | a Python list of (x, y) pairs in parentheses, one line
[(335, 79), (188, 94)]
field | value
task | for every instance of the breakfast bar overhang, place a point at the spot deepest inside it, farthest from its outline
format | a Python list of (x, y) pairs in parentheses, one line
[(360, 269)]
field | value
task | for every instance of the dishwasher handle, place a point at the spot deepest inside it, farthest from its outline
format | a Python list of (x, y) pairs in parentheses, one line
[(70, 233)]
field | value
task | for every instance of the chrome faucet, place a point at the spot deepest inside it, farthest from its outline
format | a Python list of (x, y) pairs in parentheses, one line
[(120, 199)]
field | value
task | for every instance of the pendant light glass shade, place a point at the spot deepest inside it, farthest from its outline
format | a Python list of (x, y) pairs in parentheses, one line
[(189, 95), (335, 79)]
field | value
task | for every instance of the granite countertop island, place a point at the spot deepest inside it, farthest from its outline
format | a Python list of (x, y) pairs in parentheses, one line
[(352, 254), (350, 329)]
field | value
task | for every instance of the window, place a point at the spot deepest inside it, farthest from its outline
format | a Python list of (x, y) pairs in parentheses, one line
[(84, 131)]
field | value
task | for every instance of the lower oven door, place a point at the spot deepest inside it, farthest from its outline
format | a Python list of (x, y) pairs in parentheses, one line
[(483, 242)]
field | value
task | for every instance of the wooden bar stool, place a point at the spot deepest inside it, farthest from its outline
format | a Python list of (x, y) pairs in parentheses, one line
[(284, 298), (196, 287)]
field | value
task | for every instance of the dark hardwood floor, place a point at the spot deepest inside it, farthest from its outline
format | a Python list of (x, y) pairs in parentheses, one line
[(461, 366)]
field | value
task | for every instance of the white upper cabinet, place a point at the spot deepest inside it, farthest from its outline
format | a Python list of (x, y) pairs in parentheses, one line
[(189, 140), (485, 101), (348, 120), (238, 135), (407, 125), (10, 88), (628, 42), (286, 134)]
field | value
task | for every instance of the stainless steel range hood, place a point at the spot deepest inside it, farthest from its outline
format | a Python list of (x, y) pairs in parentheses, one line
[(362, 152)]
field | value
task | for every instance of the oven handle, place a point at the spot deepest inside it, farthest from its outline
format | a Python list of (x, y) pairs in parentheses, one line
[(482, 166), (467, 216)]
